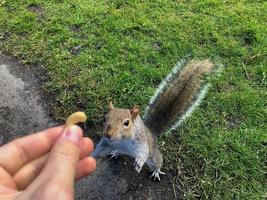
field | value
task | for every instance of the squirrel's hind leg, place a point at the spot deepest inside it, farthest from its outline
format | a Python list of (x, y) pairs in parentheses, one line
[(156, 173), (154, 165)]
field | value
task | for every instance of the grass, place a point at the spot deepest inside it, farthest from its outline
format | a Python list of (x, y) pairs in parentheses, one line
[(94, 51)]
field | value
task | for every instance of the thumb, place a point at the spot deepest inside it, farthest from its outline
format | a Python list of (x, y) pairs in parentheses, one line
[(64, 157)]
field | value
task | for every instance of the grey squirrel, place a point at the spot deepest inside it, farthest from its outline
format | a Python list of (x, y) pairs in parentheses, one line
[(175, 99)]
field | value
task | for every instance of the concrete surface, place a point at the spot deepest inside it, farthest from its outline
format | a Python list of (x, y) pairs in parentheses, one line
[(21, 107), (23, 110)]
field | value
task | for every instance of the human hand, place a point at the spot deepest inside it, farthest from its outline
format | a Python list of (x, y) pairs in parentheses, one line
[(44, 165)]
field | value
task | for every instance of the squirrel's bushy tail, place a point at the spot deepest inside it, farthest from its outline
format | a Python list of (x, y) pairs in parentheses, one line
[(178, 95)]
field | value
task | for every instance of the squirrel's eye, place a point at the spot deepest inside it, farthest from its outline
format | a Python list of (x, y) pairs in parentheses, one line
[(126, 123)]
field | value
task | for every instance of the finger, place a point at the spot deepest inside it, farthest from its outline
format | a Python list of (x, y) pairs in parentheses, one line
[(31, 170), (6, 180), (15, 154), (85, 167), (63, 159), (27, 174), (87, 147)]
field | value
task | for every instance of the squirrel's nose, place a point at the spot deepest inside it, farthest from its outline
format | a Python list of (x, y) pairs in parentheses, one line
[(109, 134), (108, 131)]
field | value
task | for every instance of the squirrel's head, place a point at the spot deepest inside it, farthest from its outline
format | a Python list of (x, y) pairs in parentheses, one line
[(119, 122)]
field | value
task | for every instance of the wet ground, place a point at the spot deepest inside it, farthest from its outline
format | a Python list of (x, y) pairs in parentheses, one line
[(23, 110)]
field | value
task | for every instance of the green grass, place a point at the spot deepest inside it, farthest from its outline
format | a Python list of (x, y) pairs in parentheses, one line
[(94, 51)]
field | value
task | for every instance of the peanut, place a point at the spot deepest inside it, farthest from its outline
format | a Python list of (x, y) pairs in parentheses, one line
[(76, 118)]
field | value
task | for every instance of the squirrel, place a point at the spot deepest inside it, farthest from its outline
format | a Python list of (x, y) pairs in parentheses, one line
[(125, 133)]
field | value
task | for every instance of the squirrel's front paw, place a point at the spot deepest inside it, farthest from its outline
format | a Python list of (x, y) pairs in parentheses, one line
[(114, 154), (156, 174), (139, 163)]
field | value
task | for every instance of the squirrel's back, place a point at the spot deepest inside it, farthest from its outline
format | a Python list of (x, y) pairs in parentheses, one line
[(178, 95)]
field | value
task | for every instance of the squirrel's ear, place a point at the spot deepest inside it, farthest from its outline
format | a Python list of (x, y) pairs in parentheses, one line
[(134, 112), (110, 105)]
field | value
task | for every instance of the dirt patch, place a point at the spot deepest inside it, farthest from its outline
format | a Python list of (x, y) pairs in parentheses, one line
[(141, 186), (75, 28), (233, 121), (76, 50), (37, 9), (4, 36), (157, 46)]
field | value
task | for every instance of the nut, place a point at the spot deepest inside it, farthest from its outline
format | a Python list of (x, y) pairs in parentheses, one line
[(76, 118)]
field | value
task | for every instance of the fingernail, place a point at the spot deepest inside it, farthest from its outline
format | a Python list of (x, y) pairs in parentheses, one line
[(72, 134)]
